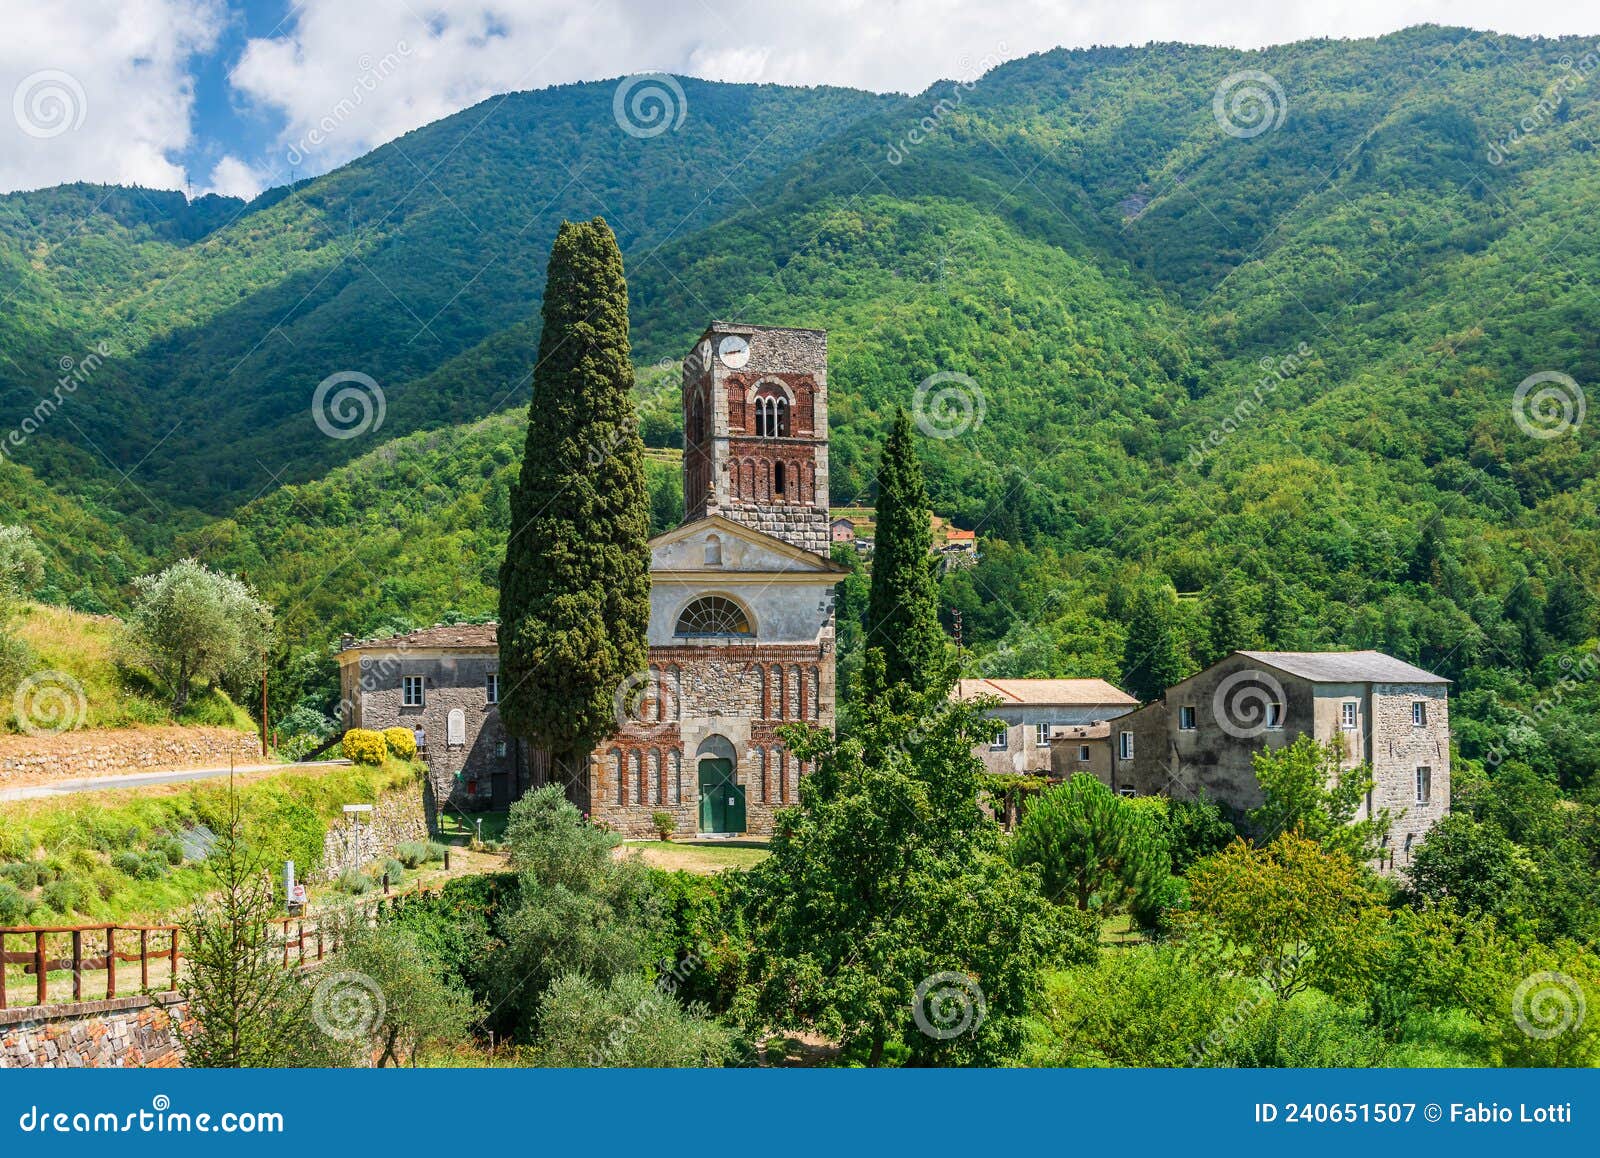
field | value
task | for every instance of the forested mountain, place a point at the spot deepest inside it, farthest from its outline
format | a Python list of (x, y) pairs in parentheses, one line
[(1266, 365)]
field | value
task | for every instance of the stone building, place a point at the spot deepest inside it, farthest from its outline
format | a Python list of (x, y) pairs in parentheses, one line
[(1202, 734), (741, 604), (1076, 748), (1031, 712), (444, 680)]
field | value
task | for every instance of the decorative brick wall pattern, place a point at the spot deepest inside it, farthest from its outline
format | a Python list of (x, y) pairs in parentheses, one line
[(111, 751)]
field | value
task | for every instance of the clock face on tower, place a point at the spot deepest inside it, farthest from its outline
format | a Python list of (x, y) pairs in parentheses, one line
[(734, 352)]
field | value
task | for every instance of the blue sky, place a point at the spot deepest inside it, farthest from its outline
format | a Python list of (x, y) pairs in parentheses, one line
[(235, 96)]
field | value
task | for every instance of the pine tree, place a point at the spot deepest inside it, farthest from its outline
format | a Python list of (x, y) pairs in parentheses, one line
[(575, 584), (1568, 609), (1152, 657), (903, 606), (1226, 628)]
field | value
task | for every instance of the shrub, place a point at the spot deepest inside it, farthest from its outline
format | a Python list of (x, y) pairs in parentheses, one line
[(435, 851), (149, 865), (23, 874), (411, 853), (396, 871), (402, 744), (170, 848), (364, 746), (13, 905), (64, 895), (353, 882), (665, 823)]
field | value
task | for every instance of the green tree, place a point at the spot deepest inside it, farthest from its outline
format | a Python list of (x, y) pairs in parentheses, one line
[(579, 910), (903, 606), (190, 622), (1307, 788), (1086, 842), (1568, 609), (1290, 914), (887, 917), (243, 1008), (420, 1002), (1472, 864), (575, 583), (628, 1022), (1152, 658), (1227, 629)]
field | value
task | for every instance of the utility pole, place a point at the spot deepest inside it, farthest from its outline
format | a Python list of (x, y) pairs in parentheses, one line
[(263, 704)]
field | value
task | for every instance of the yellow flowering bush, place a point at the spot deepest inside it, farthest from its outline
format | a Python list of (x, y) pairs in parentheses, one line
[(364, 746), (402, 744)]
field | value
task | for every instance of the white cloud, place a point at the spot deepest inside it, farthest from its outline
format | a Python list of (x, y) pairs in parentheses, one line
[(346, 77), (98, 90), (232, 177)]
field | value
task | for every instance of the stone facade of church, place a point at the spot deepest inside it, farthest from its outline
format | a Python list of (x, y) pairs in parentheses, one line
[(741, 620)]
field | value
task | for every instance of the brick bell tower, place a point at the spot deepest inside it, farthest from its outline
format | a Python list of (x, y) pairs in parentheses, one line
[(755, 431)]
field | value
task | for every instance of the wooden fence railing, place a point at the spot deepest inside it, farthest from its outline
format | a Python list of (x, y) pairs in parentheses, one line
[(94, 952)]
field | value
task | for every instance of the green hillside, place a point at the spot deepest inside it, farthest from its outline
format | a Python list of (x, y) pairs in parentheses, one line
[(1273, 369)]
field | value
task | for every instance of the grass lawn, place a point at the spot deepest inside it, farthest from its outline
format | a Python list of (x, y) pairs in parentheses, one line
[(1121, 930), (460, 827), (705, 857)]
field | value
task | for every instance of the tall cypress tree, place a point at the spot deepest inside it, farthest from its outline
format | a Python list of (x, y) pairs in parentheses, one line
[(903, 606), (1152, 656), (575, 584)]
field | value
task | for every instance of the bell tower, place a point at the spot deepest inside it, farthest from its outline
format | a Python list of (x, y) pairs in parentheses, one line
[(755, 431)]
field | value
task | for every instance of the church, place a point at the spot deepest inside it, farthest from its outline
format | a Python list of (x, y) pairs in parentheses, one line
[(741, 605), (741, 636)]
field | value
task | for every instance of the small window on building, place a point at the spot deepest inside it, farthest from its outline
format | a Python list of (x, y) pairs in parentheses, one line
[(500, 748), (491, 687), (997, 740), (1125, 746), (778, 479), (1347, 715), (411, 691), (1186, 718), (713, 554), (1275, 715), (1419, 714), (1424, 785), (1083, 753), (1041, 735)]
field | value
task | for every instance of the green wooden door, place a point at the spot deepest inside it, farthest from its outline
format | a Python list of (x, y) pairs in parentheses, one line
[(721, 800)]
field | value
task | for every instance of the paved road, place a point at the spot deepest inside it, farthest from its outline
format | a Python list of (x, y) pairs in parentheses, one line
[(141, 779)]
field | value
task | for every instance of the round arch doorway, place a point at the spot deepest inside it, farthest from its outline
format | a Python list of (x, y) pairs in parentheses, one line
[(721, 796)]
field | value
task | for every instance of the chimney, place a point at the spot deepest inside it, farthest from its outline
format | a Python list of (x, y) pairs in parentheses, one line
[(346, 641)]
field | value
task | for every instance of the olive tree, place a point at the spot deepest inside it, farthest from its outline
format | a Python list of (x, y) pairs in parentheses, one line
[(190, 622)]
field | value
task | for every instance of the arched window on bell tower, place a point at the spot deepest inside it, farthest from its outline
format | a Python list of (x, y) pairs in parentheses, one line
[(772, 413)]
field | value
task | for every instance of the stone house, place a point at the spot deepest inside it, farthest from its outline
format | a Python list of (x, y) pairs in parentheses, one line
[(1030, 714), (444, 680), (1201, 735), (1076, 748)]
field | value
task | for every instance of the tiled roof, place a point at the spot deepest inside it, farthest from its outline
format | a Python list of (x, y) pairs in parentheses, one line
[(1099, 730), (1345, 667), (1047, 693), (470, 635)]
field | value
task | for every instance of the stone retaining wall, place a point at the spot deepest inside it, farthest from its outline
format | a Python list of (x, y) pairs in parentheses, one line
[(111, 751), (396, 818), (124, 1031)]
